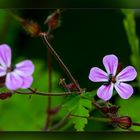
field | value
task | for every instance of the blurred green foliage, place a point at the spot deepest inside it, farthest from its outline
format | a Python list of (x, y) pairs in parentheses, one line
[(130, 27), (23, 112)]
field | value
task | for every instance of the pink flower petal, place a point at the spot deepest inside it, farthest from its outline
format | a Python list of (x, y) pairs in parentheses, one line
[(27, 81), (24, 68), (111, 63), (105, 92), (127, 74), (124, 90), (2, 71), (5, 55), (98, 75), (13, 81)]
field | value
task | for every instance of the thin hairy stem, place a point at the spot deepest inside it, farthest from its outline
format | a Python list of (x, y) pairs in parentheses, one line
[(53, 52)]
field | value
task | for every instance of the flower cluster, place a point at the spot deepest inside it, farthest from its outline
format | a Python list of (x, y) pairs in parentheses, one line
[(112, 79), (16, 77)]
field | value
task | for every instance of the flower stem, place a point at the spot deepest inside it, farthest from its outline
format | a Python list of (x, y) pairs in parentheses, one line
[(44, 93), (136, 124), (48, 119), (49, 72), (53, 52), (93, 118)]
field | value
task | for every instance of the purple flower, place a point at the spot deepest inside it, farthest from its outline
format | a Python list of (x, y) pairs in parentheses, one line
[(18, 77), (112, 79)]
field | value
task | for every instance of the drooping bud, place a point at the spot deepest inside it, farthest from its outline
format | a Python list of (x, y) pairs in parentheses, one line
[(53, 20), (123, 122), (5, 95)]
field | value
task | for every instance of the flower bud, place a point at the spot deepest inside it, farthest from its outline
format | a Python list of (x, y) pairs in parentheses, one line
[(123, 122), (5, 95), (31, 27), (113, 109), (71, 87), (53, 21)]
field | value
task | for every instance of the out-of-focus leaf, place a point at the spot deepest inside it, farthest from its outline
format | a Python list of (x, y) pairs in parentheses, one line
[(130, 27)]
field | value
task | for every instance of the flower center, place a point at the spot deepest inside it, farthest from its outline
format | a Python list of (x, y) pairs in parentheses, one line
[(10, 69), (112, 78)]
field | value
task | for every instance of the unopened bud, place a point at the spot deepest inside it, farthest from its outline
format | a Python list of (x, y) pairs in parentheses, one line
[(53, 20), (5, 95), (113, 109), (31, 27), (68, 87), (123, 122), (72, 87)]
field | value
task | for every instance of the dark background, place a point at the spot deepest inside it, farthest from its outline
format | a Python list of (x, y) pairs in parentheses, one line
[(83, 38)]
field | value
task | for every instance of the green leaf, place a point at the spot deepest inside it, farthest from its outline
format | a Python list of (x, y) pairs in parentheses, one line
[(78, 106)]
